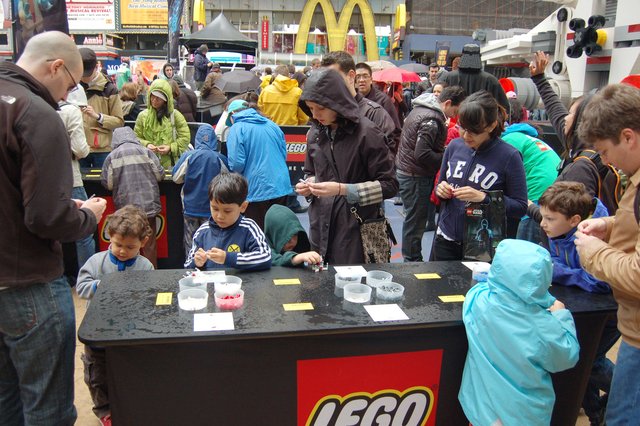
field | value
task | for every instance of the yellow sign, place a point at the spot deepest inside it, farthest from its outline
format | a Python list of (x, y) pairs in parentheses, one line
[(164, 299), (337, 30), (298, 306), (428, 276), (143, 14), (286, 281), (452, 298)]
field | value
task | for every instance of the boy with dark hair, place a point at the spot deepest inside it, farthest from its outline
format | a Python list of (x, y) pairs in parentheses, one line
[(563, 206), (609, 247), (288, 240), (229, 240)]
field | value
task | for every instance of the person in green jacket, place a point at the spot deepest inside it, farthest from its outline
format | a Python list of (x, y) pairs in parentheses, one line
[(160, 127), (288, 240)]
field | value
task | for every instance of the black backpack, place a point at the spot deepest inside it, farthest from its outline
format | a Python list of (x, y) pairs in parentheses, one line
[(610, 187)]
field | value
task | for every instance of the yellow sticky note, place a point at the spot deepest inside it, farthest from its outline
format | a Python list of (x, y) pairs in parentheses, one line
[(164, 299), (452, 298), (305, 306), (427, 276), (92, 175), (286, 281)]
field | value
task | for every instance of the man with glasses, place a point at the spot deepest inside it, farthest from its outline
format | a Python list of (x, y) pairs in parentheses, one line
[(37, 320), (365, 86), (103, 112)]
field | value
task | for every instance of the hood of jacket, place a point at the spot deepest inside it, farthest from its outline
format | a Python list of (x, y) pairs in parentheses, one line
[(15, 74), (123, 135), (97, 84), (525, 128), (284, 84), (427, 100), (280, 224), (249, 115), (164, 87), (522, 269), (206, 138), (326, 87)]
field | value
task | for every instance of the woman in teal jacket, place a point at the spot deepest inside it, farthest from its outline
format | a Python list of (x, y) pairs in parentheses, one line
[(518, 334), (160, 127)]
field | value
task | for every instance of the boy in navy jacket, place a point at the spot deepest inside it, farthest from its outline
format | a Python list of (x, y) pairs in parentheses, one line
[(228, 239)]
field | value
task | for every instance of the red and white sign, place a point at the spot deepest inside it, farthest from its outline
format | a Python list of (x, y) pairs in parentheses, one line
[(265, 34), (91, 15), (400, 388)]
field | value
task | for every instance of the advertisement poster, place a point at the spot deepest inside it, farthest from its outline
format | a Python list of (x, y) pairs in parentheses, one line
[(149, 67), (400, 388), (34, 17), (143, 14), (91, 15), (442, 52)]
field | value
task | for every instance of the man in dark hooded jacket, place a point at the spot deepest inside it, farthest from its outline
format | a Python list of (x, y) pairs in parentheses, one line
[(201, 66), (347, 165)]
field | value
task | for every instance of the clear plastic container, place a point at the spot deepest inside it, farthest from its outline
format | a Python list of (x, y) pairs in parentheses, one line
[(188, 283), (229, 301), (357, 293), (342, 280), (375, 278), (193, 299), (229, 286), (480, 272), (389, 291)]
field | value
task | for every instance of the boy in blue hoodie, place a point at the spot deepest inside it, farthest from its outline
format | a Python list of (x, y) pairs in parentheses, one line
[(195, 169), (563, 206), (228, 239)]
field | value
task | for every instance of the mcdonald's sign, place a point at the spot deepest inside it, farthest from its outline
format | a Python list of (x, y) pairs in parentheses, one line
[(337, 31)]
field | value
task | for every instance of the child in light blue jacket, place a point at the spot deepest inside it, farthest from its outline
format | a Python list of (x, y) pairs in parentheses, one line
[(518, 334)]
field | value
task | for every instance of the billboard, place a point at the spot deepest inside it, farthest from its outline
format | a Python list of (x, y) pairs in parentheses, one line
[(91, 15), (143, 14)]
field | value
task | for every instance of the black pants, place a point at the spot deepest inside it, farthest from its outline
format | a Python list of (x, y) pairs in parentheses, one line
[(95, 376), (444, 249)]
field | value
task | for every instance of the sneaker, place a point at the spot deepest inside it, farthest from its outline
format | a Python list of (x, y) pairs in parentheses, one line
[(106, 420)]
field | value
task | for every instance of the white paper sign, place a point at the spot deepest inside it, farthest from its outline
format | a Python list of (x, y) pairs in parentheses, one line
[(391, 312), (213, 322), (351, 271)]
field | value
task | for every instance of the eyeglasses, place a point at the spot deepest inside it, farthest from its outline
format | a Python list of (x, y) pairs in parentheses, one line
[(463, 131), (75, 83), (363, 77)]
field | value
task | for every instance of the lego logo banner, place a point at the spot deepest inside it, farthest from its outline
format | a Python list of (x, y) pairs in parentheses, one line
[(400, 388)]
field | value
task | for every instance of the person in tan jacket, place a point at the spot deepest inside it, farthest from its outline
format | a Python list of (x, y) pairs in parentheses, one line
[(103, 111), (279, 100), (609, 247)]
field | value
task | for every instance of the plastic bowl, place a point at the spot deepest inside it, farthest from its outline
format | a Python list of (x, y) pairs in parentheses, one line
[(341, 281), (375, 278), (389, 291), (192, 299), (230, 285), (189, 283), (357, 293), (229, 301)]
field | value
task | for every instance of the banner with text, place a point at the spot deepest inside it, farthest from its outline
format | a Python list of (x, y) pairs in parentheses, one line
[(143, 14), (91, 15)]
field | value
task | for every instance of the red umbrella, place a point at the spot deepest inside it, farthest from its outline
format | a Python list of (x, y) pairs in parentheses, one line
[(396, 75)]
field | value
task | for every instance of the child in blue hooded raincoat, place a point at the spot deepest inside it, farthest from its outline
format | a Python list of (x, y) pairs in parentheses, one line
[(196, 168), (518, 334)]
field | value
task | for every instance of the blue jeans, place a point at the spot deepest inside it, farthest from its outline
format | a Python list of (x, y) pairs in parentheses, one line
[(85, 247), (624, 399), (95, 160), (415, 192), (37, 348)]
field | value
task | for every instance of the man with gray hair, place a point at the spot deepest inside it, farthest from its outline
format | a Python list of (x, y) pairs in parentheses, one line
[(37, 320)]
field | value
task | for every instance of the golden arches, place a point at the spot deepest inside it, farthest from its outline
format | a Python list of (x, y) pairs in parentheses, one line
[(337, 31)]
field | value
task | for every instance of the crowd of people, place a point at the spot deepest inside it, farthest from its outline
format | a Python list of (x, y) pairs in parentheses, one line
[(439, 146)]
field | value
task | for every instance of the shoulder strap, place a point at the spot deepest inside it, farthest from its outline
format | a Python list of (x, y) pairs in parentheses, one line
[(636, 205), (590, 158), (173, 125)]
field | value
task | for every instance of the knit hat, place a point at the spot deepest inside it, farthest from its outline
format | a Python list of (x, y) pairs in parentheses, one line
[(89, 61), (235, 106), (159, 94), (470, 59)]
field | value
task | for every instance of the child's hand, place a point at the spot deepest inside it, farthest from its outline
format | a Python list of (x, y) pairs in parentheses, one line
[(557, 305), (539, 63), (200, 257), (216, 255), (163, 149), (444, 190), (311, 257)]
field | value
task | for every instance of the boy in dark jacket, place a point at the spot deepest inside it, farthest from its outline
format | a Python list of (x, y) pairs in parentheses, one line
[(229, 240), (288, 240)]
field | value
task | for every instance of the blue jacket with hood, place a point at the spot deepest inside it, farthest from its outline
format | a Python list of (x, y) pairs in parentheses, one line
[(196, 168), (244, 242), (496, 165), (566, 261), (514, 341), (257, 150)]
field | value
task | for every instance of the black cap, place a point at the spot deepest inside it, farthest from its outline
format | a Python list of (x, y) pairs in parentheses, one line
[(89, 61)]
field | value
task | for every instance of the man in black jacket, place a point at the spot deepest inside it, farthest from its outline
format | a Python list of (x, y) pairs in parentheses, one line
[(418, 160), (37, 321)]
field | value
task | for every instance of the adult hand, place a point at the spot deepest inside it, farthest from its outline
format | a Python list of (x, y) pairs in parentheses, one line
[(163, 149), (79, 203), (209, 64), (594, 227), (90, 112), (302, 188), (539, 63), (444, 190), (324, 189), (467, 193), (217, 255), (587, 244), (556, 306), (152, 147), (200, 257), (96, 205)]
